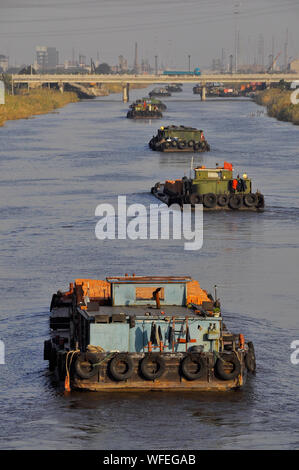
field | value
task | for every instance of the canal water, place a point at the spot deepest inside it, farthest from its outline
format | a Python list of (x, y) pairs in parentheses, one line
[(54, 170)]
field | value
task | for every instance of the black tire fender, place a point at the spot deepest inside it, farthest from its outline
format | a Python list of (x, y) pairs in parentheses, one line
[(195, 199), (222, 200), (220, 366), (260, 202), (114, 363), (186, 365), (235, 201), (53, 360), (145, 365), (84, 365), (209, 200), (250, 199), (47, 349), (61, 365), (250, 361)]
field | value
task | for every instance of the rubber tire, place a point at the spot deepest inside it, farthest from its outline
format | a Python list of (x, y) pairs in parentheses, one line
[(174, 144), (195, 199), (191, 143), (261, 201), (182, 145), (82, 372), (53, 360), (250, 200), (119, 376), (235, 201), (154, 358), (250, 361), (47, 350), (219, 367), (195, 358), (222, 200), (209, 200), (61, 366)]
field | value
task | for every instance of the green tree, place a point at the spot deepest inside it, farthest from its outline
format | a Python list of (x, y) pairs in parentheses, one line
[(103, 68)]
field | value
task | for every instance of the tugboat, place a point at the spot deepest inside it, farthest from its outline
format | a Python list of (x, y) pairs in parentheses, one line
[(144, 111), (153, 101), (159, 92), (215, 188), (174, 88), (179, 139), (144, 333)]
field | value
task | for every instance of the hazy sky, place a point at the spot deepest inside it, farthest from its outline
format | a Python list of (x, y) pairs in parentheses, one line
[(171, 29)]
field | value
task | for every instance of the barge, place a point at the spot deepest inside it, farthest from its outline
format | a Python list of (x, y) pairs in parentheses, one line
[(144, 333), (145, 110), (179, 139), (214, 188)]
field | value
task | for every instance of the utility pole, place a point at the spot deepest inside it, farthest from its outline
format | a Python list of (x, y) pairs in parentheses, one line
[(189, 63)]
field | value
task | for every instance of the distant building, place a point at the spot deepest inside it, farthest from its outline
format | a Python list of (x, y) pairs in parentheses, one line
[(251, 68), (3, 63), (82, 60), (122, 64), (47, 58)]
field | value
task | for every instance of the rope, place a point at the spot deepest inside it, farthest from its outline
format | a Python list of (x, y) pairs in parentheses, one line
[(67, 383), (101, 362)]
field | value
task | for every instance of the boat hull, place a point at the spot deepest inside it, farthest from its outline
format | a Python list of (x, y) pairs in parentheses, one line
[(174, 198), (172, 380)]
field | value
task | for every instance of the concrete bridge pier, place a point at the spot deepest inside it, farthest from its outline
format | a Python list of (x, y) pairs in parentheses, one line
[(126, 90), (61, 87), (203, 92)]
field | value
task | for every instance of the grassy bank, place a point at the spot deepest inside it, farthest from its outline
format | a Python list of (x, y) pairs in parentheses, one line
[(278, 104), (39, 101)]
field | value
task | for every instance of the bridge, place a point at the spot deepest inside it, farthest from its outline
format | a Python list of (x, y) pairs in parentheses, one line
[(125, 79)]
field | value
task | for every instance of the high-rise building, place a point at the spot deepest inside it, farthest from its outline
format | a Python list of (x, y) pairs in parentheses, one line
[(122, 64), (47, 58)]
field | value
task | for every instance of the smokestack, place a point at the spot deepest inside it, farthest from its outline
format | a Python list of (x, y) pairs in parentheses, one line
[(136, 66)]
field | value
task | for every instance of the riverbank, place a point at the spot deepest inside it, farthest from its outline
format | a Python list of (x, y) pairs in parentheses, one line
[(278, 104), (42, 101), (39, 101)]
